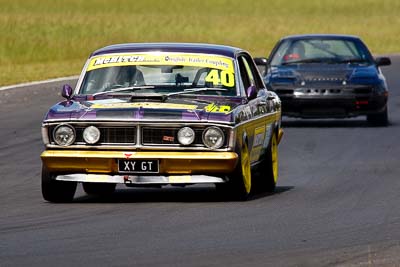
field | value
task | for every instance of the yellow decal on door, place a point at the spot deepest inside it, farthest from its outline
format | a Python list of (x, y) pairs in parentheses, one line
[(214, 108)]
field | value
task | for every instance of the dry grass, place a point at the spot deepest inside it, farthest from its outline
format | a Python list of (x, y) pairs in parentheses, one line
[(45, 38)]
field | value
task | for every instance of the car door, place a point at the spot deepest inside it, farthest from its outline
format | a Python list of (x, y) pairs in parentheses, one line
[(259, 128)]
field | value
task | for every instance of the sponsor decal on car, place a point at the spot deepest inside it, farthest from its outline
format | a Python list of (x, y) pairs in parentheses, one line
[(268, 133), (207, 61), (215, 108), (259, 135), (168, 138)]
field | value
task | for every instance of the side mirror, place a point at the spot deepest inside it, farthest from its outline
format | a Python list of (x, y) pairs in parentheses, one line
[(383, 61), (66, 91), (251, 92), (261, 63)]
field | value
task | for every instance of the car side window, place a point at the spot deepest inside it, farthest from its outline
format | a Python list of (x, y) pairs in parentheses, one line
[(244, 73), (249, 73)]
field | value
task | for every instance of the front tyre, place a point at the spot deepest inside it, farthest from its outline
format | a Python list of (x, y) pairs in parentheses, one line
[(239, 185), (56, 191), (269, 171), (379, 119)]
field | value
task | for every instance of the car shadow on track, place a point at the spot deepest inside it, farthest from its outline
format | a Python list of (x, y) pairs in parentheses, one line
[(278, 190), (329, 123), (170, 194)]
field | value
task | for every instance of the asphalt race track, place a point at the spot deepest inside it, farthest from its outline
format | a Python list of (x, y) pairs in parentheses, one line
[(337, 202)]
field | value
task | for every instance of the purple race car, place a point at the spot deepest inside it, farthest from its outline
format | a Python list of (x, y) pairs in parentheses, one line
[(163, 114)]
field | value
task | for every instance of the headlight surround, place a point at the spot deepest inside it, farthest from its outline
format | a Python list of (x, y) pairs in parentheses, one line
[(186, 136), (91, 135), (64, 135), (213, 137)]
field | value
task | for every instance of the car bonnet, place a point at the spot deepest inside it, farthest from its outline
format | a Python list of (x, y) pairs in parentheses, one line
[(174, 109)]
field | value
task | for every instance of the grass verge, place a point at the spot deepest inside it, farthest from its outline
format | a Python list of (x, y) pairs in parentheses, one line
[(45, 38)]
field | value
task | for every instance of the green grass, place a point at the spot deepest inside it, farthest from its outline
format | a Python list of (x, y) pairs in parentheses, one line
[(43, 39)]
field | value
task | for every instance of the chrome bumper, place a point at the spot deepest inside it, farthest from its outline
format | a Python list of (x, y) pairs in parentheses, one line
[(140, 180)]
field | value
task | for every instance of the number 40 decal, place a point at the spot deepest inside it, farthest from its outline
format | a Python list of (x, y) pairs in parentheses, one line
[(225, 78)]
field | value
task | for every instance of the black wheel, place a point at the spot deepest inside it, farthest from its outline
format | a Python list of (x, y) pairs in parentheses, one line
[(99, 189), (268, 171), (239, 185), (379, 119), (56, 191)]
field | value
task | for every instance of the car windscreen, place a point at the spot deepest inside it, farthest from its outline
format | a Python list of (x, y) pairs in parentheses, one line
[(320, 50), (160, 73)]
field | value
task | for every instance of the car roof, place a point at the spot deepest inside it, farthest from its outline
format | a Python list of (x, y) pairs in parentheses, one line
[(316, 36), (224, 50)]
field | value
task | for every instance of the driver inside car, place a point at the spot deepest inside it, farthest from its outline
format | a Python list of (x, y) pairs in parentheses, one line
[(127, 76), (297, 52)]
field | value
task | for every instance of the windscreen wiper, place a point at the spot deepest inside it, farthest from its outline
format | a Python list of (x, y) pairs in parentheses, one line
[(307, 60), (353, 60), (131, 88), (195, 90)]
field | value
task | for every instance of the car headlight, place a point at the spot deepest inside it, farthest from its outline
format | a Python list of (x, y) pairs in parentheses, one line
[(64, 135), (186, 136), (91, 135), (213, 137)]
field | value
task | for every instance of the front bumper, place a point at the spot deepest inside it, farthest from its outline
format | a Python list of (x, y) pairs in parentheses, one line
[(330, 99), (339, 106), (174, 167)]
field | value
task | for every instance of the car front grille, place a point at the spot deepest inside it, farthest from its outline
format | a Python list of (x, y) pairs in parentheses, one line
[(166, 136), (332, 76), (112, 135), (149, 136), (108, 135), (325, 79)]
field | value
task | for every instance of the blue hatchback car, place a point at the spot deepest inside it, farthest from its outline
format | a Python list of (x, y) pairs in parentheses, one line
[(327, 76)]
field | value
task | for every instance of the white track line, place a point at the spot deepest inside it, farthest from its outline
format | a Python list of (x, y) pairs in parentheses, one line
[(38, 82)]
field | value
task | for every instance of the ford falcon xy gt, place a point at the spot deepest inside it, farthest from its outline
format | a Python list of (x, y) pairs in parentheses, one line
[(163, 114), (327, 76)]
